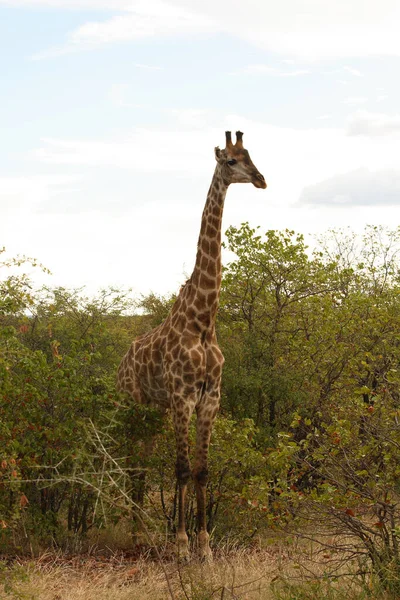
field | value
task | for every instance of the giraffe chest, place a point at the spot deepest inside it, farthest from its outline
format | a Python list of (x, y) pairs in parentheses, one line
[(192, 366), (176, 365)]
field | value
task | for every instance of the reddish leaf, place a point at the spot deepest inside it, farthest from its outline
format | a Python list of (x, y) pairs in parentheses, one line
[(23, 501)]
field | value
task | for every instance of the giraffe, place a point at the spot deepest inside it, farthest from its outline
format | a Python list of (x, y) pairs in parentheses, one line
[(178, 365)]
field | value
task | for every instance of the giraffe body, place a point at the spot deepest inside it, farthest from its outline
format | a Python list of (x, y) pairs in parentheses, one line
[(178, 365)]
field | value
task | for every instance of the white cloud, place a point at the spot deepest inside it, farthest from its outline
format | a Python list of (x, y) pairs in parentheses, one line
[(78, 5), (361, 187), (148, 67), (364, 123), (17, 194), (157, 207), (140, 19), (195, 118), (312, 30), (122, 96), (353, 71), (146, 19), (353, 100), (290, 159), (273, 71), (346, 70), (142, 150)]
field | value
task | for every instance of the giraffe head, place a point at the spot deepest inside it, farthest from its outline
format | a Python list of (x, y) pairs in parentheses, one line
[(236, 164)]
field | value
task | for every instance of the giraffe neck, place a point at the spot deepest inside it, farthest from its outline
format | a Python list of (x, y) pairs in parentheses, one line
[(206, 277)]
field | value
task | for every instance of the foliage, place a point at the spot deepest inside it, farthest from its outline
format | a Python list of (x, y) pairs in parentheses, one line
[(312, 348), (266, 297), (308, 434), (58, 354)]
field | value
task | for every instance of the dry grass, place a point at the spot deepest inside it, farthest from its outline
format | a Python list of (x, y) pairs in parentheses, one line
[(296, 569), (233, 574)]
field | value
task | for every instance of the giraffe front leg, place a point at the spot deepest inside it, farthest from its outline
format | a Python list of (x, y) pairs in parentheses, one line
[(181, 416), (206, 414)]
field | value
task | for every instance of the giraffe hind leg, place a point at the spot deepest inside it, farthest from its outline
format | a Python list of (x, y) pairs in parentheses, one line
[(140, 448)]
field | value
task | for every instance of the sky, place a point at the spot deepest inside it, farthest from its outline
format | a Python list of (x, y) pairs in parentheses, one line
[(110, 111)]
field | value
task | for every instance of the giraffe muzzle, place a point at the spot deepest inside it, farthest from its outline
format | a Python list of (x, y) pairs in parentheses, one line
[(259, 181)]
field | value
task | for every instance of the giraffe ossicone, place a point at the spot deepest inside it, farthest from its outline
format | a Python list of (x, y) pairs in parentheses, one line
[(178, 365)]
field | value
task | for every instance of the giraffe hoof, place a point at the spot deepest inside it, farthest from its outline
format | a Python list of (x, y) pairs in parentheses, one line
[(206, 556), (183, 556), (182, 549), (204, 550), (183, 559)]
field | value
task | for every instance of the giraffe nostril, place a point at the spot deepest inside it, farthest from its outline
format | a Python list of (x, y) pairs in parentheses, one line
[(261, 177)]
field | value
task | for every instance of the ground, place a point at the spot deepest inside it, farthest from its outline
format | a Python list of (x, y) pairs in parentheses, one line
[(271, 569), (123, 576)]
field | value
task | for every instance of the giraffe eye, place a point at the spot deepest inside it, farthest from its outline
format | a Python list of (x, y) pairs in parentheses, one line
[(231, 162)]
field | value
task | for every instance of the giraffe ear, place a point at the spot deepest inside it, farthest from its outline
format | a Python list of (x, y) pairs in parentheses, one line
[(217, 151)]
